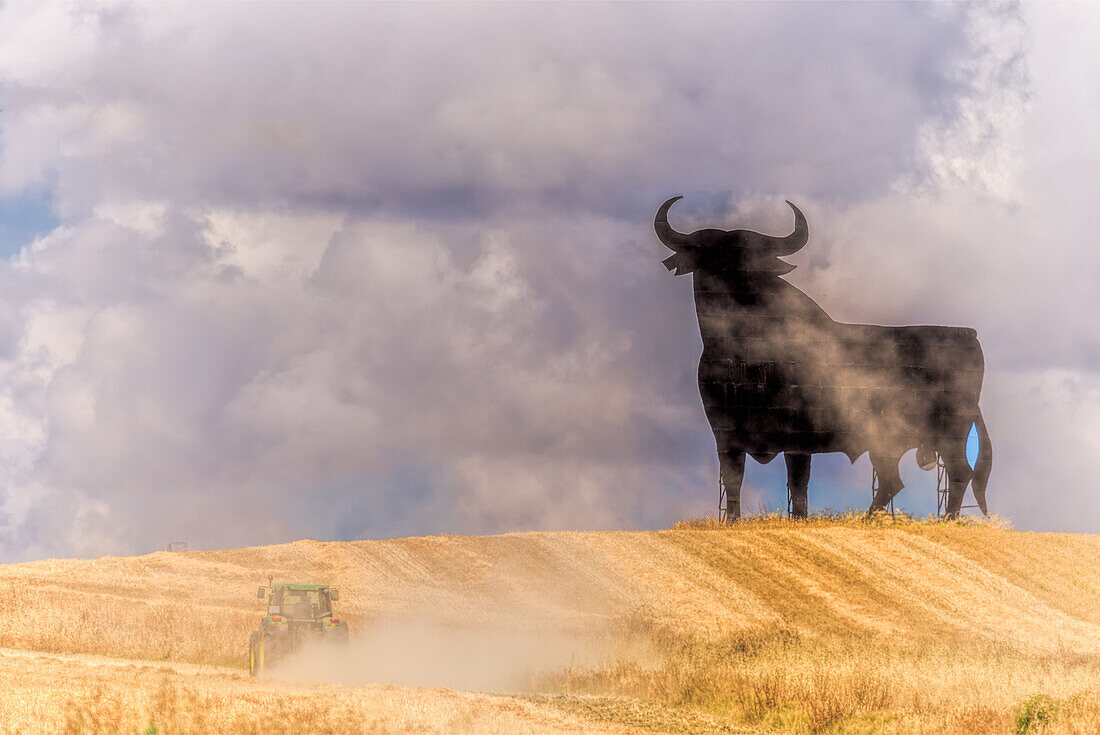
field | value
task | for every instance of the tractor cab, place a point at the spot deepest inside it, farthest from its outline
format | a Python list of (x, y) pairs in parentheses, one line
[(300, 601)]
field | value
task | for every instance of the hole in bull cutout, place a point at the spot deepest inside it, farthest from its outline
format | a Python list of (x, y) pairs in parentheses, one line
[(972, 446)]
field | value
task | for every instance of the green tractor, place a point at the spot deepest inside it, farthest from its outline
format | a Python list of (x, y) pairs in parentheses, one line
[(297, 614)]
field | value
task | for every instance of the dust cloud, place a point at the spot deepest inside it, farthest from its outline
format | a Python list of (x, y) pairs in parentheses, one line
[(512, 656)]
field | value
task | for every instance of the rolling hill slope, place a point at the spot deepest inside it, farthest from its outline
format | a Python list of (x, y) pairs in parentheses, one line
[(599, 606)]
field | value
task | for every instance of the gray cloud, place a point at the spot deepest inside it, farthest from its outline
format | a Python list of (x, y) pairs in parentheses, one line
[(383, 270), (430, 109)]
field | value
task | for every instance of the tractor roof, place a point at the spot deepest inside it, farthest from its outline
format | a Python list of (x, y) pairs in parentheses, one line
[(289, 586)]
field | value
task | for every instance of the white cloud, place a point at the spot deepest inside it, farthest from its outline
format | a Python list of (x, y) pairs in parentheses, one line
[(311, 285)]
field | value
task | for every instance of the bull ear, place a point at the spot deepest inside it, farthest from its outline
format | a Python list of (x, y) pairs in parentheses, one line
[(765, 263), (684, 261)]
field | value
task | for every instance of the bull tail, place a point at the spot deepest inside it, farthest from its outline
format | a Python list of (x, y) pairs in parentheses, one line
[(984, 464)]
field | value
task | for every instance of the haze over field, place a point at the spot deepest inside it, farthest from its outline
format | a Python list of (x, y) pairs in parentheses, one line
[(345, 271), (765, 626)]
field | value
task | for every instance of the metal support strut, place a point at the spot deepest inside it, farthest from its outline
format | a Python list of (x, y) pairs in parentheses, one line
[(722, 515), (941, 488)]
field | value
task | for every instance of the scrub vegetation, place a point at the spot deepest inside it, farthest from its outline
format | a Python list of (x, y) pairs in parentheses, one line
[(831, 624)]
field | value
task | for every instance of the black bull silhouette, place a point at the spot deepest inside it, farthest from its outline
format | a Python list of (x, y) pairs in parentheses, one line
[(777, 374)]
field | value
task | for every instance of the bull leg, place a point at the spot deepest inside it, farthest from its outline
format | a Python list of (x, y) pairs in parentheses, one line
[(733, 471), (958, 476), (798, 481), (889, 481)]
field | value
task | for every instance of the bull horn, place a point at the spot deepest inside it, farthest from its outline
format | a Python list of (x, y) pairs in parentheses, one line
[(795, 241), (672, 239)]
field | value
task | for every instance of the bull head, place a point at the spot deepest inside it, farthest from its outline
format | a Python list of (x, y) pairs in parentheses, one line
[(729, 250)]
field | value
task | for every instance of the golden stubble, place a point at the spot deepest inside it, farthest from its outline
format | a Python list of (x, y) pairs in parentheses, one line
[(829, 624)]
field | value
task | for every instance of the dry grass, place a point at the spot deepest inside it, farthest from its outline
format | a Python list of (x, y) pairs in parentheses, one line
[(882, 624), (848, 519), (83, 694), (832, 624), (784, 683)]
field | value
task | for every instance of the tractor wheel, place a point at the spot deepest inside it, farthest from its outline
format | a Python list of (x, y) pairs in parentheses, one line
[(255, 654)]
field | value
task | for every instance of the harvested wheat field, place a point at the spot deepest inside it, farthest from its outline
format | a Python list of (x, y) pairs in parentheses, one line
[(826, 625)]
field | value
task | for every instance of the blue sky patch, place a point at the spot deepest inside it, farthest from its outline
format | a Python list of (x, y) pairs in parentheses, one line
[(23, 218), (972, 446)]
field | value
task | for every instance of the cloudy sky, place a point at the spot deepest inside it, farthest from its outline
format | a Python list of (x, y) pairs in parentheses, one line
[(346, 271)]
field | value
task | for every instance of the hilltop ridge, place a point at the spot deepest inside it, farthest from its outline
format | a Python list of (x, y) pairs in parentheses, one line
[(815, 589), (1035, 590)]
